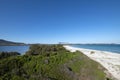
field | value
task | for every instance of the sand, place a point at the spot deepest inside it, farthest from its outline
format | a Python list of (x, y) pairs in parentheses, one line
[(109, 60)]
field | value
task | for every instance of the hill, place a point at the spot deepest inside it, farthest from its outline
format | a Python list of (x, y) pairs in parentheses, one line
[(9, 43), (50, 62)]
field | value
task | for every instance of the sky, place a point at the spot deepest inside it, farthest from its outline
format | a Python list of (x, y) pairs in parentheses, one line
[(53, 21)]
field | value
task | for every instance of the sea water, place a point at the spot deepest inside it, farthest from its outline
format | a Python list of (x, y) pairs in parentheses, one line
[(103, 47), (20, 49)]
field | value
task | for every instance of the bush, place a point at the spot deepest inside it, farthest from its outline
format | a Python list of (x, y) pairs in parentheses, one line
[(45, 50), (8, 54)]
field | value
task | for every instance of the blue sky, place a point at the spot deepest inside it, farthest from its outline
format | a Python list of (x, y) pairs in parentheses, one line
[(53, 21)]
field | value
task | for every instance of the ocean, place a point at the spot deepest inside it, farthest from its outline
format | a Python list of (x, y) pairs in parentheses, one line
[(103, 47), (20, 49)]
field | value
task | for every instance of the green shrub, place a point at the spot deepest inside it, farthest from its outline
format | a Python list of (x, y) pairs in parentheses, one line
[(8, 54)]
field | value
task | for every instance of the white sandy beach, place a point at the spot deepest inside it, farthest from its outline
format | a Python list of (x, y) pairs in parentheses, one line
[(109, 60)]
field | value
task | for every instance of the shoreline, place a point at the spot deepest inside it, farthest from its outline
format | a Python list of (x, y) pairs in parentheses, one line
[(109, 60)]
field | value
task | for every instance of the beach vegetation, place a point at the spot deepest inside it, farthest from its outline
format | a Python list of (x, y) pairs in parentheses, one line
[(8, 54), (50, 62), (92, 52)]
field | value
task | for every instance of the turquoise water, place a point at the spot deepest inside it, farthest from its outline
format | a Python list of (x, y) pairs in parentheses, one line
[(103, 47), (20, 49)]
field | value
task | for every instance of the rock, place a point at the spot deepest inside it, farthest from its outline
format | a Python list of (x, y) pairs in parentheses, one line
[(46, 61)]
